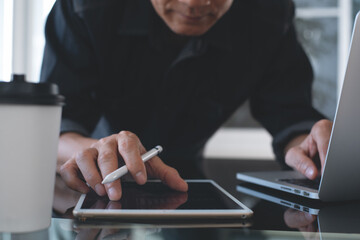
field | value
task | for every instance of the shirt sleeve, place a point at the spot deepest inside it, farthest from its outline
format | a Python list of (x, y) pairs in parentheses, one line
[(283, 100), (70, 62)]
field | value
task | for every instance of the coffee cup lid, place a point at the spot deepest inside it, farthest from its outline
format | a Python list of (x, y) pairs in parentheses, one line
[(18, 91)]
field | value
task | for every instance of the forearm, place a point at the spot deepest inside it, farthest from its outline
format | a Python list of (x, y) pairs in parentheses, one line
[(69, 144)]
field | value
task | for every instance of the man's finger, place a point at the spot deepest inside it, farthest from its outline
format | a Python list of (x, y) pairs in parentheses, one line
[(86, 161), (129, 147), (108, 162), (297, 158), (166, 174), (312, 147), (70, 174), (321, 134)]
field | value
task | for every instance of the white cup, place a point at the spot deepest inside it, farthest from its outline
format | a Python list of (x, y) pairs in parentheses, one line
[(29, 131)]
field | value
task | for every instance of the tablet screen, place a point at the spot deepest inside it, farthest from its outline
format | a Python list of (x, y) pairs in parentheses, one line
[(156, 196)]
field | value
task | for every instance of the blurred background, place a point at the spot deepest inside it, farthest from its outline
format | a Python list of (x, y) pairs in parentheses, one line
[(324, 28)]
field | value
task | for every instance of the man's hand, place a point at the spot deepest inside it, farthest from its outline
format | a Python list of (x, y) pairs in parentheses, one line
[(301, 151), (92, 164)]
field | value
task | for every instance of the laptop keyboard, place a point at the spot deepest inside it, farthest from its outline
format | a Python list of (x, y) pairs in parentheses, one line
[(313, 184)]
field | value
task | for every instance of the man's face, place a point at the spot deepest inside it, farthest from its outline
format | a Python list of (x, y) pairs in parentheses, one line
[(191, 17)]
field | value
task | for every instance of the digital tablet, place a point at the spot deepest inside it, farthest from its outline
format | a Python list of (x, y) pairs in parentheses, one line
[(154, 200)]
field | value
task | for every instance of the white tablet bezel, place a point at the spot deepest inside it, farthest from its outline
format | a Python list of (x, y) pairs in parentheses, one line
[(245, 212)]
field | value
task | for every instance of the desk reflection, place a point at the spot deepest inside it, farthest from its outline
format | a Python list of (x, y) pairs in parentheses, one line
[(314, 219), (303, 221)]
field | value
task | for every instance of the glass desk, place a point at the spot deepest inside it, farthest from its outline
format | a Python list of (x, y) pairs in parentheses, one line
[(276, 215)]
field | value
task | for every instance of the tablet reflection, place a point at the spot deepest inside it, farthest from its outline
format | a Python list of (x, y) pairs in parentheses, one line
[(153, 233), (137, 199)]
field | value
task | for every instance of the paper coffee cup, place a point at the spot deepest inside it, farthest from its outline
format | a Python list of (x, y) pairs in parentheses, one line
[(29, 131)]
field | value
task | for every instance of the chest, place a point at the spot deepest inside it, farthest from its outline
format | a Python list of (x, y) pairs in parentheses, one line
[(139, 73)]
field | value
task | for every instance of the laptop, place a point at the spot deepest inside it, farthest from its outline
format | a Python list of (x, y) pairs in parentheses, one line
[(340, 179)]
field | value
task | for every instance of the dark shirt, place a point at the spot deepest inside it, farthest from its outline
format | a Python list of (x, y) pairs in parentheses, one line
[(118, 60)]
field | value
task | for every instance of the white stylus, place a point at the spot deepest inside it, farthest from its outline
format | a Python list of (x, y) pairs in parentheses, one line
[(124, 170)]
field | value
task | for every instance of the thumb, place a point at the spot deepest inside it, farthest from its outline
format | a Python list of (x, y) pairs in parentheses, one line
[(168, 175), (320, 134), (297, 158)]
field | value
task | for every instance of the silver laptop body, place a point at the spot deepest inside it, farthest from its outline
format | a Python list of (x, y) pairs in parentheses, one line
[(340, 179)]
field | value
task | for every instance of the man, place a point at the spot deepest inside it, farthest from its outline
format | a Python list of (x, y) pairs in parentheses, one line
[(170, 72)]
